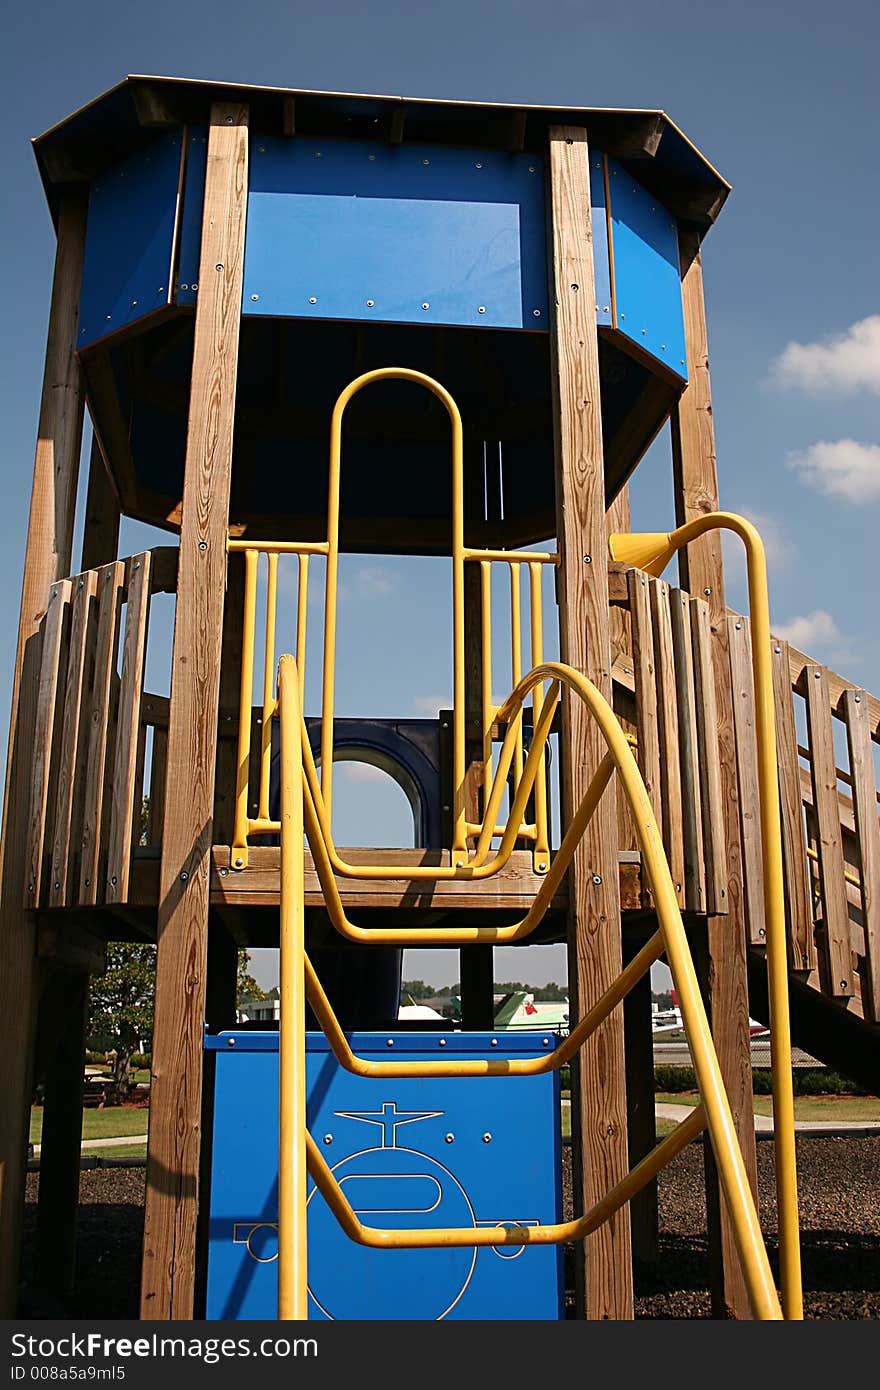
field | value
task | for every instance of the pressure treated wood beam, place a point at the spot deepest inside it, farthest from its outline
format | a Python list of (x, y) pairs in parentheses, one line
[(175, 1121)]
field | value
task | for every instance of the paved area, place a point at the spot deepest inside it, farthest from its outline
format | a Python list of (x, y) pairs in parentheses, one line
[(851, 1129)]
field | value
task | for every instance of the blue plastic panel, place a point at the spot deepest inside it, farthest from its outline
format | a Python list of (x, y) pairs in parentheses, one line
[(129, 239), (646, 270), (400, 233), (407, 1153), (191, 214)]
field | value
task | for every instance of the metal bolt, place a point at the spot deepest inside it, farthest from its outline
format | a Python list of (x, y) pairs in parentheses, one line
[(389, 1042), (113, 880), (644, 331), (228, 120), (312, 299), (536, 313), (254, 298), (57, 885), (478, 166), (481, 309), (450, 1138), (843, 984), (816, 674), (238, 863), (88, 883), (623, 316), (662, 347), (588, 559), (542, 866), (739, 627), (858, 698), (778, 651), (494, 1042), (371, 156), (137, 565), (532, 169), (183, 286), (262, 149), (328, 1138), (370, 303), (762, 931), (107, 317), (194, 285), (134, 304), (224, 873), (487, 1138), (317, 154), (426, 305), (545, 1042), (230, 1042), (183, 877), (446, 808), (597, 879), (574, 285), (203, 545), (30, 888), (707, 591), (441, 1042), (426, 161)]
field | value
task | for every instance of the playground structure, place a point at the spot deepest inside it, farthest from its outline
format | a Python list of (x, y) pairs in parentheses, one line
[(534, 278)]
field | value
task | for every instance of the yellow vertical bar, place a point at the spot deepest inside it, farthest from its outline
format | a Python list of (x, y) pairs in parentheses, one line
[(516, 662), (486, 659), (541, 855), (292, 1172), (268, 687), (330, 590), (246, 695), (459, 835), (302, 606)]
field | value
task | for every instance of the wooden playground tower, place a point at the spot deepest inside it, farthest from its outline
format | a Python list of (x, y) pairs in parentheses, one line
[(182, 318)]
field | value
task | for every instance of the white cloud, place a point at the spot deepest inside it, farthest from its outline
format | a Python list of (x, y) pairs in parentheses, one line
[(843, 362), (779, 549), (813, 629), (430, 705), (841, 468), (359, 772), (370, 581)]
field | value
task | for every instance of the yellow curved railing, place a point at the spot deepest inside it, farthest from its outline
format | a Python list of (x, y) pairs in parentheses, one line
[(296, 973)]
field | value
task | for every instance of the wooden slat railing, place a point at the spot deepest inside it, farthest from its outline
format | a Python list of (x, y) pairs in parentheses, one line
[(91, 734), (830, 826), (671, 679)]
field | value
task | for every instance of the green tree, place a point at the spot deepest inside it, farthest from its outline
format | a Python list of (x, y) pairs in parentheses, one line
[(246, 986), (418, 989), (121, 1007)]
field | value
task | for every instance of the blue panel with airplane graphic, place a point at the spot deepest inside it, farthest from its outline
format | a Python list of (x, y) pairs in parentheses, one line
[(407, 1153)]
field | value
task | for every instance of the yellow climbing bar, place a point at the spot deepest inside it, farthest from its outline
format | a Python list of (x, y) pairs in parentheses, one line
[(652, 552)]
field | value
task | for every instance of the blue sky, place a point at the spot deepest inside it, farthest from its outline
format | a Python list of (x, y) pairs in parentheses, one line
[(782, 99)]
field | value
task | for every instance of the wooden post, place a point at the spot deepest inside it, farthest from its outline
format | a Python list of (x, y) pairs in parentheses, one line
[(725, 981), (47, 559), (476, 963), (63, 1022), (641, 1123), (594, 921), (101, 530), (174, 1139)]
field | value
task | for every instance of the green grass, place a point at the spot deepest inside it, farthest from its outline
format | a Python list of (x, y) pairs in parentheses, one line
[(100, 1124), (120, 1151), (664, 1127), (840, 1109)]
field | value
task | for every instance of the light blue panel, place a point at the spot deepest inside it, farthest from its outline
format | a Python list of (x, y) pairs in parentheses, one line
[(397, 233), (646, 270), (407, 1153), (129, 239), (599, 221), (191, 214)]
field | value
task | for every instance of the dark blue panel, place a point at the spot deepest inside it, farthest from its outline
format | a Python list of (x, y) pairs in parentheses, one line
[(646, 270), (407, 1153), (129, 238), (400, 233), (599, 222), (191, 214)]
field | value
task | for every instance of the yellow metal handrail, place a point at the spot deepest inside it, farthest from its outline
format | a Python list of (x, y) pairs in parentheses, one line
[(652, 552), (246, 826), (714, 1112)]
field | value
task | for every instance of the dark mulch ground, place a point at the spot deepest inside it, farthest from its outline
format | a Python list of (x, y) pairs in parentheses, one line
[(839, 1183)]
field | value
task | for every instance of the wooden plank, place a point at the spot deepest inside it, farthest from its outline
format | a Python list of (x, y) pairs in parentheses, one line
[(667, 730), (837, 687), (47, 559), (747, 764), (799, 914), (688, 747), (864, 783), (724, 977), (175, 1120), (123, 812), (70, 749), (709, 761), (110, 581), (158, 771), (599, 1091), (835, 950), (44, 735)]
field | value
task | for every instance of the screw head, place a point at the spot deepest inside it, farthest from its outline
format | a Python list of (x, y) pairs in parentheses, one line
[(203, 545), (441, 1042), (312, 299), (254, 298), (707, 591), (370, 303), (449, 1138), (230, 1042), (597, 879), (238, 863), (487, 1138), (588, 559), (113, 881), (481, 309), (426, 305), (389, 1042), (328, 1138), (536, 313), (183, 877), (478, 166), (494, 1042), (224, 873), (219, 265)]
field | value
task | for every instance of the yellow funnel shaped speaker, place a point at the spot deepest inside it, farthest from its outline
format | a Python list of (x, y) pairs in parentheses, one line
[(650, 551)]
